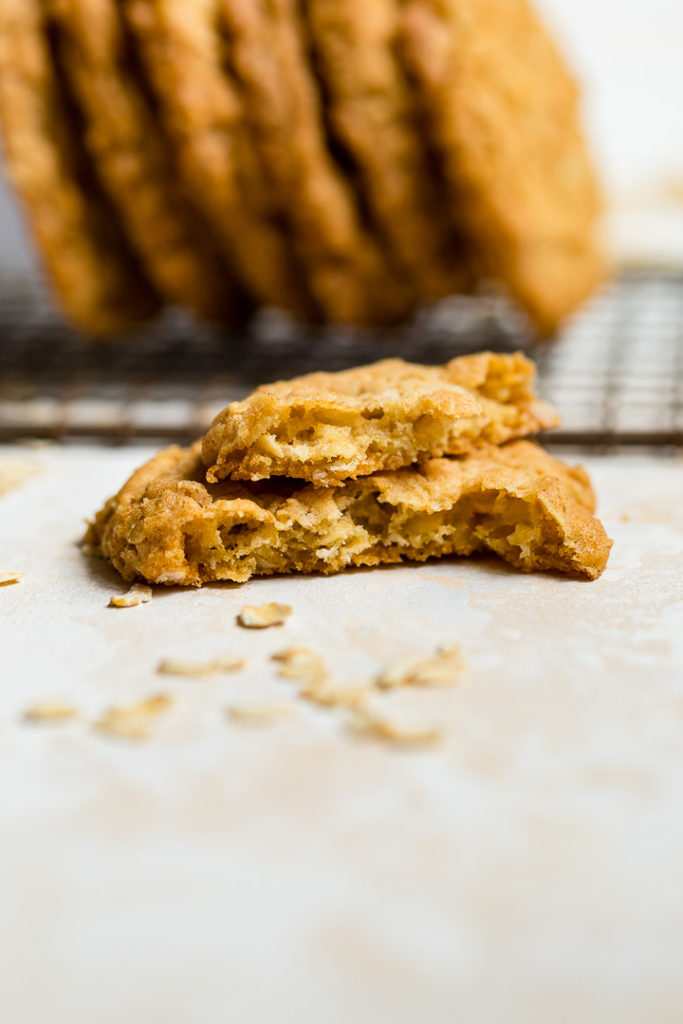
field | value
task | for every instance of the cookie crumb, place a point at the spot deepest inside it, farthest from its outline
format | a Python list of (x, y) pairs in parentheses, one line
[(8, 578), (46, 712), (263, 616), (131, 722), (444, 669), (260, 714), (366, 724), (138, 594), (301, 665), (195, 669)]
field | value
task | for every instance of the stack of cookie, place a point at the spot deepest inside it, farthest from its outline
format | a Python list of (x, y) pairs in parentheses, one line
[(345, 162), (369, 466)]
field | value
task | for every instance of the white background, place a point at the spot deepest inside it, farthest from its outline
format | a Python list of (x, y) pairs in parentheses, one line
[(629, 56)]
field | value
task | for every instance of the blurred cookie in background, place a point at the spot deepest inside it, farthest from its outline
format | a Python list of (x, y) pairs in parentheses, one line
[(134, 161), (373, 113), (350, 276), (97, 279), (345, 166), (188, 70), (501, 112)]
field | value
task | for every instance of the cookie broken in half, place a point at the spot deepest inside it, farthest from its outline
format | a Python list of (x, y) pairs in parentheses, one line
[(168, 526)]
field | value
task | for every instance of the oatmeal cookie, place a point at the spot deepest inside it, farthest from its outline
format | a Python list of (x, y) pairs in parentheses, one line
[(348, 273), (501, 112), (372, 110), (328, 427), (94, 274), (168, 526), (134, 161), (202, 113)]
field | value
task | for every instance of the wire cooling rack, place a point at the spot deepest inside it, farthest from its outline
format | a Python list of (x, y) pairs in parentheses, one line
[(615, 374)]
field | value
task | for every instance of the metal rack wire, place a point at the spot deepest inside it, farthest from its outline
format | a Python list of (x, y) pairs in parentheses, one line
[(615, 374)]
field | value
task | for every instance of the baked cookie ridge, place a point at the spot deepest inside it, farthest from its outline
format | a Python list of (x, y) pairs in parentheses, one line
[(349, 275), (135, 163), (329, 427), (95, 276), (373, 111), (168, 526), (202, 115), (501, 111)]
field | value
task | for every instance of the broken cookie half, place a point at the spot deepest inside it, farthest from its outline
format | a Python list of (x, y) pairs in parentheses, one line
[(169, 526), (330, 427)]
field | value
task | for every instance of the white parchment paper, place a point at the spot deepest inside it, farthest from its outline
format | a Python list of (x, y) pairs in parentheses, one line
[(528, 869)]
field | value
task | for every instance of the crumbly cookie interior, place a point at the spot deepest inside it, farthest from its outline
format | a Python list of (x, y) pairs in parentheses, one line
[(330, 427), (170, 528)]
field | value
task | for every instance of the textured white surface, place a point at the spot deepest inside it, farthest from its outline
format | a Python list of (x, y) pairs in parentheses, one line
[(526, 870)]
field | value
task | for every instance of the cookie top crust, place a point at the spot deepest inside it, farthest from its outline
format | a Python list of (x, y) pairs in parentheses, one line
[(168, 526), (349, 274), (329, 427), (94, 273), (134, 161), (372, 112), (202, 114), (501, 111)]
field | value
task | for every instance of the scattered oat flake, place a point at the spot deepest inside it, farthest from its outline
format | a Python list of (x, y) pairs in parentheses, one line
[(301, 664), (260, 714), (195, 669), (264, 615), (7, 578), (123, 727), (138, 594), (50, 713), (443, 669), (131, 722), (364, 723), (327, 696)]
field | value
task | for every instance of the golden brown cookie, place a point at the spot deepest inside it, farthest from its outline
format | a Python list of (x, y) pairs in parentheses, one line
[(94, 274), (134, 161), (168, 526), (501, 111), (372, 110), (202, 115), (347, 271), (330, 427)]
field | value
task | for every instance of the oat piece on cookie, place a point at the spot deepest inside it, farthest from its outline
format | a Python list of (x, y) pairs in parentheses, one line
[(501, 112), (373, 114), (349, 274), (168, 526), (135, 162), (328, 427), (204, 118), (94, 274)]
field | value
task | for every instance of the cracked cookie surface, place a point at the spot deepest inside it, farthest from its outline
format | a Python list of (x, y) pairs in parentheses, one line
[(168, 526), (327, 427)]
